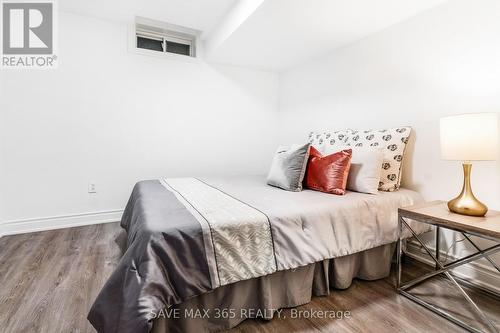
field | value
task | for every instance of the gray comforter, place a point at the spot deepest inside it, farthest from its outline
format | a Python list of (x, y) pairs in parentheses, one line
[(187, 237)]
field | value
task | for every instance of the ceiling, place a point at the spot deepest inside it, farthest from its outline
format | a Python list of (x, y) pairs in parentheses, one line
[(282, 33), (195, 14), (272, 35)]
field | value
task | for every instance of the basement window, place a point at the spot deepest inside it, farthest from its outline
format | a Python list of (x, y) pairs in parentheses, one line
[(163, 40)]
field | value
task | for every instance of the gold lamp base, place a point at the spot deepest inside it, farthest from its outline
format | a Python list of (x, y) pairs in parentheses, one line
[(466, 203)]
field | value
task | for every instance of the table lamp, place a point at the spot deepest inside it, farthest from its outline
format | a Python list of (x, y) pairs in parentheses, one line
[(466, 138)]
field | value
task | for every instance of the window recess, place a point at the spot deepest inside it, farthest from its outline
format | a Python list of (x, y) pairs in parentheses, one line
[(158, 39)]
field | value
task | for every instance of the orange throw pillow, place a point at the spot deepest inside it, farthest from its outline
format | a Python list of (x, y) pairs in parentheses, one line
[(328, 173)]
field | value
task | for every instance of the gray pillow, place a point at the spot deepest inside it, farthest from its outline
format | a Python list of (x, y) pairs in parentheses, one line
[(289, 167)]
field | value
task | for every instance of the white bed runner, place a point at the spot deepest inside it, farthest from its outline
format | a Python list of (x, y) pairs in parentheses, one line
[(239, 235)]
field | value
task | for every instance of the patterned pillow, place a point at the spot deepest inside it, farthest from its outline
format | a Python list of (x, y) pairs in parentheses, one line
[(393, 142), (324, 140)]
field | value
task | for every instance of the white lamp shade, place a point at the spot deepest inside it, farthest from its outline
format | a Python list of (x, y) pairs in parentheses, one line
[(470, 137)]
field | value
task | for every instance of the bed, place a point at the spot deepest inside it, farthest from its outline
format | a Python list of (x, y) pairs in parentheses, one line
[(237, 243)]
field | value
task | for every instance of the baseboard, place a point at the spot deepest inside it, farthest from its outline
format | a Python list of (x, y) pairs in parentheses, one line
[(476, 272), (58, 222)]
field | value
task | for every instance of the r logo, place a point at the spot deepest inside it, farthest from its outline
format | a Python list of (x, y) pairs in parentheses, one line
[(27, 28)]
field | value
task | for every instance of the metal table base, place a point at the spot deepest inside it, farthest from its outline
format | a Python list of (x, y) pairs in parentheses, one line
[(444, 269)]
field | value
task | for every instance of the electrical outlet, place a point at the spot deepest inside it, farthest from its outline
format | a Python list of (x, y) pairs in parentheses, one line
[(92, 188)]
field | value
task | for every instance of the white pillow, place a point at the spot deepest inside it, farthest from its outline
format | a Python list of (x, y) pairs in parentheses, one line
[(366, 167)]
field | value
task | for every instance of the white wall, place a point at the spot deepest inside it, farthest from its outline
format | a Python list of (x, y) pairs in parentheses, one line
[(114, 117), (2, 145), (443, 61)]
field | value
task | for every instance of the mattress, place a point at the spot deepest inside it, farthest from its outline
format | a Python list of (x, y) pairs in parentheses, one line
[(310, 226), (189, 236)]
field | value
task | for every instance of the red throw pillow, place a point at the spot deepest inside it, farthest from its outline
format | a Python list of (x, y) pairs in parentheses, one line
[(328, 173)]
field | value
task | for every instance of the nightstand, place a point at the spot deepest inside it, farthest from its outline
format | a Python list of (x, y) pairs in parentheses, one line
[(436, 213)]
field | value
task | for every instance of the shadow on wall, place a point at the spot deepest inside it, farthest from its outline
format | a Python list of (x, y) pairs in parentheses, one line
[(260, 85)]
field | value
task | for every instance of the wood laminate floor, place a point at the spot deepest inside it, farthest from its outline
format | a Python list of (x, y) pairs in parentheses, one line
[(49, 280)]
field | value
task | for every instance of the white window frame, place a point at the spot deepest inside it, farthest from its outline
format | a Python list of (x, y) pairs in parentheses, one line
[(163, 31)]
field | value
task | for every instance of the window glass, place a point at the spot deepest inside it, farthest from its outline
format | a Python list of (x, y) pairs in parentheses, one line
[(150, 44), (178, 48)]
